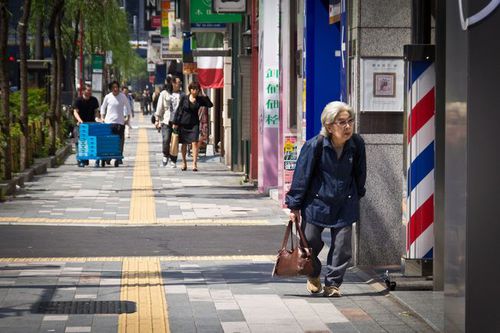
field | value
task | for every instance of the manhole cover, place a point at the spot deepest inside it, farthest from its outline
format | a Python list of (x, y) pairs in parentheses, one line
[(86, 307)]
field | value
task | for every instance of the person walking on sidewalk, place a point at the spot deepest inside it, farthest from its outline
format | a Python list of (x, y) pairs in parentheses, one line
[(128, 123), (188, 121), (85, 110), (328, 182), (168, 104), (115, 110)]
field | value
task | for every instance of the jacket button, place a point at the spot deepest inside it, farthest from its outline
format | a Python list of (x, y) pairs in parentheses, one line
[(349, 197), (317, 195)]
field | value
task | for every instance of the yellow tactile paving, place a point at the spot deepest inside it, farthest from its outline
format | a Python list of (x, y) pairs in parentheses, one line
[(142, 283), (142, 203), (160, 258)]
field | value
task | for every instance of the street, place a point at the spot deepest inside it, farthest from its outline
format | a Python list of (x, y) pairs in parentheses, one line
[(143, 248)]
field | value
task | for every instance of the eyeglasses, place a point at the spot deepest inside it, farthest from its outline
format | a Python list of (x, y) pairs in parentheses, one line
[(344, 123)]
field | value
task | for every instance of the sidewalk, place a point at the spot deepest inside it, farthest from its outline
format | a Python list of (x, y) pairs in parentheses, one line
[(140, 192), (174, 293), (201, 294)]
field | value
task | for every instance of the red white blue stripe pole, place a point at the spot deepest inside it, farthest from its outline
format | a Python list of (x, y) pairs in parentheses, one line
[(420, 160)]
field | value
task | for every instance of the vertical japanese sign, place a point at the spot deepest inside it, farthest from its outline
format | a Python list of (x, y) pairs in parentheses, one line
[(165, 6), (271, 97), (269, 94), (151, 10)]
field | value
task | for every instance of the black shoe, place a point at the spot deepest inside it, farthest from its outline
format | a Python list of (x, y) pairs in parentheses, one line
[(119, 162), (103, 163), (108, 162), (81, 164)]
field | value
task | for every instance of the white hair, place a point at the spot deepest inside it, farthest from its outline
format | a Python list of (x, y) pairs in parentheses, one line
[(330, 113)]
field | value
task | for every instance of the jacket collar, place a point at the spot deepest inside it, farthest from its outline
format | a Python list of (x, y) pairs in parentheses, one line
[(349, 143)]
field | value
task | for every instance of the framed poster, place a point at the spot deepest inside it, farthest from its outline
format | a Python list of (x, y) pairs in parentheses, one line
[(382, 84)]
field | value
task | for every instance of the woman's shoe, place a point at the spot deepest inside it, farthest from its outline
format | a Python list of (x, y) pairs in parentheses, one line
[(195, 169), (314, 285), (184, 168)]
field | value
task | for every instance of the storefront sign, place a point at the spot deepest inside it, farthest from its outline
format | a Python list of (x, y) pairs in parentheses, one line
[(334, 11), (271, 97), (165, 6), (289, 160), (151, 9), (201, 12), (97, 63), (233, 6)]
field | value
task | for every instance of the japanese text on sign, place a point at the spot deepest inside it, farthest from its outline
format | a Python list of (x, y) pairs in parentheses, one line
[(271, 97)]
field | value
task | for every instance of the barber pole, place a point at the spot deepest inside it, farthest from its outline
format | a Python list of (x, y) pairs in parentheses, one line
[(420, 160)]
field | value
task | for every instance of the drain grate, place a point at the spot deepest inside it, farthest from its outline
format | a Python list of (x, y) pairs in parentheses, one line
[(86, 307)]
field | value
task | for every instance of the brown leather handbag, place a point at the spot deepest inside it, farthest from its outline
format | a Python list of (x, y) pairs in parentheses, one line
[(296, 261)]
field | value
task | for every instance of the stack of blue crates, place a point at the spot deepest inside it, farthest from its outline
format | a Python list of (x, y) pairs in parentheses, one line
[(97, 141)]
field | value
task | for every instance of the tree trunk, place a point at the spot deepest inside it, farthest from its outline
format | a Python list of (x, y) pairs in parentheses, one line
[(52, 116), (72, 56), (59, 77), (23, 27), (4, 95), (39, 78)]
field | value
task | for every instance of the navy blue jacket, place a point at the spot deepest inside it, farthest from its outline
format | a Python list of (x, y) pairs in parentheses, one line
[(328, 193)]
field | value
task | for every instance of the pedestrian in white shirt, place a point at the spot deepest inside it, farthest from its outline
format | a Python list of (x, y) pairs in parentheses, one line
[(115, 109), (168, 104)]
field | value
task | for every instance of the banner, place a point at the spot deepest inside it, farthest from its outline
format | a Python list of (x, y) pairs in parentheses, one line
[(210, 69)]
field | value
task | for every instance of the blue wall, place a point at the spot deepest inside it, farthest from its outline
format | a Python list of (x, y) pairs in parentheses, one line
[(322, 67)]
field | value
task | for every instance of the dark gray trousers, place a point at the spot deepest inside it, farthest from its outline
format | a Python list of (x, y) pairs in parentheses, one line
[(339, 255), (166, 133)]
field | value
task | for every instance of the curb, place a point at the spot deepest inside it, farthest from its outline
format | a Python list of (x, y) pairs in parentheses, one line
[(39, 167), (373, 279)]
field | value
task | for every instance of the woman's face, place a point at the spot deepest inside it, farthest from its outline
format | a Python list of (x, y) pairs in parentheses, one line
[(342, 128), (194, 92)]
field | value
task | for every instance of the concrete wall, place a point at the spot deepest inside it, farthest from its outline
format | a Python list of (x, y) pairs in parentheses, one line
[(379, 28), (381, 234)]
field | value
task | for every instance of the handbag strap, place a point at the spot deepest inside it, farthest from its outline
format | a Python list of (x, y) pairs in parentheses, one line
[(300, 233), (288, 232), (302, 238)]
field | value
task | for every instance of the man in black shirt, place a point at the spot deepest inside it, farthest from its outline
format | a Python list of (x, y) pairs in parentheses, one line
[(84, 110)]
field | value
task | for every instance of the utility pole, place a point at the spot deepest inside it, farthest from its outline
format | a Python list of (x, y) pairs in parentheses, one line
[(136, 30)]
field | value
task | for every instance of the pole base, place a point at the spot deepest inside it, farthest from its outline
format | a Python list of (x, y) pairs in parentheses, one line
[(416, 267)]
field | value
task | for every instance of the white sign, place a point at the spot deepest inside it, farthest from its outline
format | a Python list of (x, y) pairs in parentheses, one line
[(151, 66), (164, 47), (154, 54), (382, 84), (109, 57), (231, 6), (269, 85)]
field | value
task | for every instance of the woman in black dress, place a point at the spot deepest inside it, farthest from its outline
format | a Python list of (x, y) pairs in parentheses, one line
[(187, 120)]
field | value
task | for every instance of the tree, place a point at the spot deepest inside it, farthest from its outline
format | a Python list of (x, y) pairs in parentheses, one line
[(4, 94), (23, 119), (57, 7)]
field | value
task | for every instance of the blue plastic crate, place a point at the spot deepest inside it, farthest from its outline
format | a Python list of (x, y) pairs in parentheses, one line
[(96, 146), (94, 129)]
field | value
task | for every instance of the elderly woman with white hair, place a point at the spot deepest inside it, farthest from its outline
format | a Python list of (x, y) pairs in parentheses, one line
[(328, 181)]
